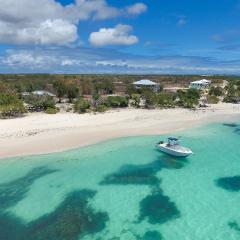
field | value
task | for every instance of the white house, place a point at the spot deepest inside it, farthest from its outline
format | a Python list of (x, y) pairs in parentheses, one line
[(145, 83), (43, 93), (200, 84)]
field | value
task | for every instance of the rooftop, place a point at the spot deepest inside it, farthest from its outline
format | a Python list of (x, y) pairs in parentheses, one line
[(145, 82), (202, 81), (43, 92)]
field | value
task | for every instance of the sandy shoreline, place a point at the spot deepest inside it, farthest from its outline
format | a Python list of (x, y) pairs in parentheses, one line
[(41, 133)]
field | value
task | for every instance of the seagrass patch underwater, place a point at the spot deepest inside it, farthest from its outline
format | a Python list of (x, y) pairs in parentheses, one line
[(125, 189)]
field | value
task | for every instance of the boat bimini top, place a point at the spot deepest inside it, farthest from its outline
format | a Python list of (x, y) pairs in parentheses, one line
[(173, 139)]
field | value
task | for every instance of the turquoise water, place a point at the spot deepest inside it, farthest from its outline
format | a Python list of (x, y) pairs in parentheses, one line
[(126, 189)]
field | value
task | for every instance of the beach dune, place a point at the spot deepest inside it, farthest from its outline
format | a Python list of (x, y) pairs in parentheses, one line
[(40, 133)]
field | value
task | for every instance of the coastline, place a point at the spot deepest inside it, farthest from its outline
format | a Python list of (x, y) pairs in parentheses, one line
[(40, 133)]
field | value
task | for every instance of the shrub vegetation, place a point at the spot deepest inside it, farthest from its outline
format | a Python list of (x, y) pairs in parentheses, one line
[(212, 99), (39, 103), (81, 106), (188, 99), (135, 100), (50, 110), (11, 106), (101, 108), (117, 101), (216, 91)]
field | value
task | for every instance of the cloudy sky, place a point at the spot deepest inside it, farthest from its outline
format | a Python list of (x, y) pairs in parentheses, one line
[(116, 36)]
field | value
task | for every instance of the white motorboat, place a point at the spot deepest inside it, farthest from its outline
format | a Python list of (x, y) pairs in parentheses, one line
[(172, 147)]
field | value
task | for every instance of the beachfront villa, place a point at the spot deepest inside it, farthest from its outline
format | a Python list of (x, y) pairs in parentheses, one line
[(145, 83), (200, 84)]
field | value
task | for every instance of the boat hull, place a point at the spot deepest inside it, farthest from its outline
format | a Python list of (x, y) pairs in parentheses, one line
[(174, 152)]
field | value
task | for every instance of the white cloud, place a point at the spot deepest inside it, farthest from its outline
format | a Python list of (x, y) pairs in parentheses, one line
[(49, 22), (182, 21), (28, 59), (137, 9), (48, 32), (85, 60), (70, 62), (120, 35), (97, 9)]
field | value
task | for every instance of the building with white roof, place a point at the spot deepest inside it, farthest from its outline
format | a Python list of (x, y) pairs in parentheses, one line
[(43, 93), (200, 84), (145, 83)]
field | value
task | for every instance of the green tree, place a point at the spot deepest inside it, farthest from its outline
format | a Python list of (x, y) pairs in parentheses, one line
[(131, 90), (95, 97), (193, 93), (72, 91), (61, 89), (233, 94), (150, 98), (107, 87)]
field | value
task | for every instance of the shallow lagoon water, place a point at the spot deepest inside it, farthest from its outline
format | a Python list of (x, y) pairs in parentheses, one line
[(126, 189)]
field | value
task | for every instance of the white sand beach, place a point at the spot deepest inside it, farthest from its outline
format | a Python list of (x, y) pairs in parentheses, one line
[(40, 133)]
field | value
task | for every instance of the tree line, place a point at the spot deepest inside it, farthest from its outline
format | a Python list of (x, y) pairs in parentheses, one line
[(101, 93)]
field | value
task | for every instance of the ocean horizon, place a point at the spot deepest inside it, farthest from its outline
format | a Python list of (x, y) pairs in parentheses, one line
[(126, 189)]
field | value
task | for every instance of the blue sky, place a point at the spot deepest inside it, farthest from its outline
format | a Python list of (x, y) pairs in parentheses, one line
[(113, 36)]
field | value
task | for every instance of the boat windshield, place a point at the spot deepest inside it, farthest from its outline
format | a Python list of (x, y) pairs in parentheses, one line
[(172, 142)]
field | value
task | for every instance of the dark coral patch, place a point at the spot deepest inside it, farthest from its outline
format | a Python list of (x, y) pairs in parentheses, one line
[(149, 235), (11, 228), (70, 221), (237, 130), (14, 191), (229, 183), (232, 125), (234, 225), (152, 235), (235, 126), (142, 174), (157, 208), (130, 174)]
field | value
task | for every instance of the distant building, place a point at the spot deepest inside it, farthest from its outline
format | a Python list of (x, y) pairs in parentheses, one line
[(145, 83), (200, 84), (25, 94), (43, 93), (38, 93)]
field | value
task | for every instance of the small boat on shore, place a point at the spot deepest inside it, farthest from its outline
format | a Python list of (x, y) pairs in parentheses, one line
[(173, 147)]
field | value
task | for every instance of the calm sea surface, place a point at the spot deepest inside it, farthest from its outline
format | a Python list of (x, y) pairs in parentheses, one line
[(125, 189)]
